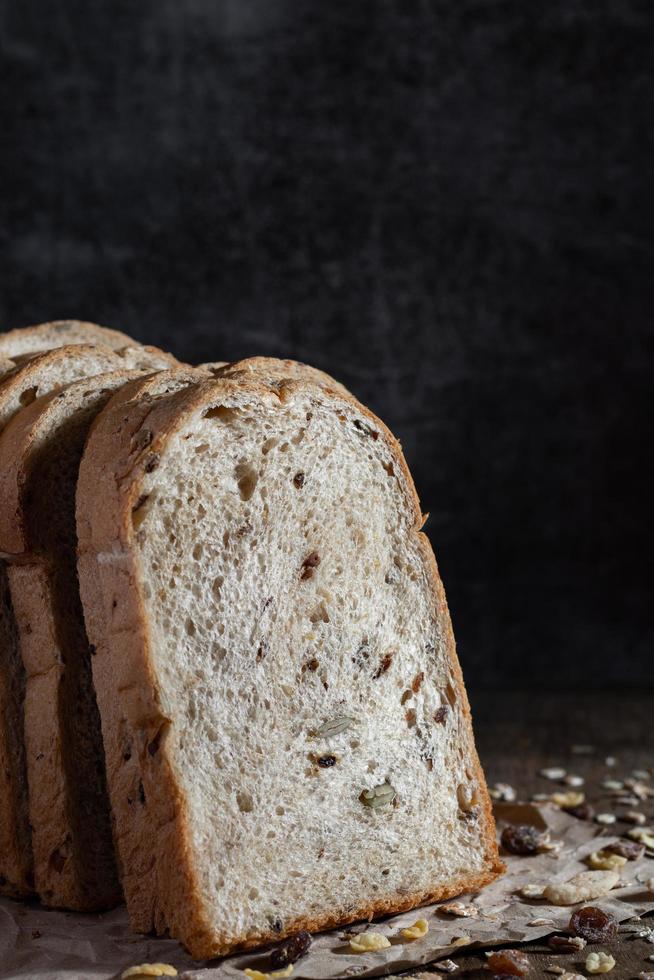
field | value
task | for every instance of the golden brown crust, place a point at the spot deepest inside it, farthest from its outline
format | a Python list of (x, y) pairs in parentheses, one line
[(108, 561), (273, 369)]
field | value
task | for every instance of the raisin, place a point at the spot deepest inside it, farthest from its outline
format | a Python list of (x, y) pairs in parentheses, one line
[(298, 480), (522, 839), (384, 664), (441, 715), (630, 849), (326, 761), (417, 681), (291, 950), (508, 963), (582, 812), (593, 924)]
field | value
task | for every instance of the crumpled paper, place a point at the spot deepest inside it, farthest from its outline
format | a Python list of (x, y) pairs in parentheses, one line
[(37, 943)]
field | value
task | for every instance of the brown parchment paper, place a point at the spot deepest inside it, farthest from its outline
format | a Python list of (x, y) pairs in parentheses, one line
[(36, 943)]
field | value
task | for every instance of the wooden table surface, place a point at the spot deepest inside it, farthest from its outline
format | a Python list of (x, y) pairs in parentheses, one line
[(519, 733)]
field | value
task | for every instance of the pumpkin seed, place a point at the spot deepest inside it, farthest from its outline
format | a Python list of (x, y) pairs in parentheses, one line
[(334, 727), (378, 796)]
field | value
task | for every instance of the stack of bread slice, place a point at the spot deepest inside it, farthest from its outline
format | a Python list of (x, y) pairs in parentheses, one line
[(228, 682)]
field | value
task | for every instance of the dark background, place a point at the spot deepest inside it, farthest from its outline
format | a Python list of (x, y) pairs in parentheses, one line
[(447, 205)]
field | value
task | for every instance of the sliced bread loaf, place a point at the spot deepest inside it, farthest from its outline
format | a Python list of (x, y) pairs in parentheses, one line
[(276, 634), (59, 333), (19, 388)]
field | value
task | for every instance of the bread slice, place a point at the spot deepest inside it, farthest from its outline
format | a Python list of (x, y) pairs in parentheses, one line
[(19, 388), (136, 844), (276, 634), (59, 333)]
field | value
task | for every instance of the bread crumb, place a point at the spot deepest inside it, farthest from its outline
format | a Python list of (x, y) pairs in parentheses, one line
[(367, 942), (418, 930)]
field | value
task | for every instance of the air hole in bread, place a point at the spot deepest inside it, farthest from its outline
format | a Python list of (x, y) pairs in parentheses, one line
[(202, 447), (197, 551), (190, 627), (280, 811), (28, 396), (450, 693), (221, 412), (319, 614), (140, 510), (245, 802)]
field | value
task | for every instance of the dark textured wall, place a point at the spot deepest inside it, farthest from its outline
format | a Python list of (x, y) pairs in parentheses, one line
[(448, 205)]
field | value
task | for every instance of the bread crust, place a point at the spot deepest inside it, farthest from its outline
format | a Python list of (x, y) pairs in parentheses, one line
[(58, 333), (172, 901), (274, 369)]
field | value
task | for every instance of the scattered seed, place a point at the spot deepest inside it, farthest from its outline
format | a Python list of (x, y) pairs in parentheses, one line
[(582, 749), (634, 816), (446, 966), (535, 923), (553, 772), (574, 781), (504, 792), (612, 784), (459, 909), (567, 800), (532, 890), (583, 812), (605, 818), (644, 835), (610, 761), (641, 774)]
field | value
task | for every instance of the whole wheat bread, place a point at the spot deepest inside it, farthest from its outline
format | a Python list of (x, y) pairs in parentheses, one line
[(136, 844), (270, 622), (59, 333), (19, 388)]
